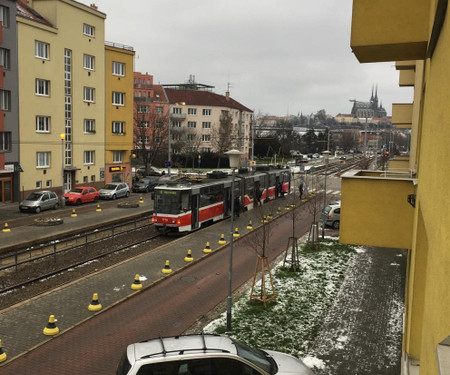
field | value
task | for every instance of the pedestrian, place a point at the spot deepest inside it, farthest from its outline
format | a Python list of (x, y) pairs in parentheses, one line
[(300, 188)]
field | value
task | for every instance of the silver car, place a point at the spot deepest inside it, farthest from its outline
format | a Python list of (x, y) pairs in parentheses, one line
[(206, 354), (332, 215), (39, 201), (114, 190)]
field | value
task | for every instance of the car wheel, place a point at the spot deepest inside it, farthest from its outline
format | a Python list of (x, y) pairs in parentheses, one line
[(128, 194), (336, 224), (114, 196), (38, 209), (78, 202), (56, 206)]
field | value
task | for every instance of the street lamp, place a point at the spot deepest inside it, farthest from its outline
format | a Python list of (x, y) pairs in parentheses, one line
[(326, 155), (62, 136), (169, 153)]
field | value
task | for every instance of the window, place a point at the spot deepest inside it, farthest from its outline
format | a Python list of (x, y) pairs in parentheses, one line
[(176, 124), (143, 124), (42, 124), (42, 87), (177, 111), (89, 94), (38, 184), (118, 127), (4, 16), (48, 183), (5, 58), (118, 69), (206, 137), (206, 149), (206, 125), (192, 124), (118, 98), (5, 141), (206, 112), (143, 109), (89, 125), (89, 157), (117, 156), (42, 159), (85, 179), (159, 109), (88, 62), (93, 178), (191, 137), (5, 100), (41, 50), (192, 111), (88, 30), (159, 124)]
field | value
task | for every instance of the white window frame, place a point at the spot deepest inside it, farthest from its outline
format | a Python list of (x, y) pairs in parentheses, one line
[(118, 127), (43, 124), (88, 62), (41, 50), (89, 94), (5, 58), (177, 110), (141, 107), (206, 112), (192, 111), (89, 157), (206, 138), (5, 100), (88, 30), (42, 87), (5, 141), (206, 125), (4, 16), (159, 109), (118, 98), (117, 156), (118, 69), (191, 137), (43, 159), (192, 124), (176, 124), (89, 125)]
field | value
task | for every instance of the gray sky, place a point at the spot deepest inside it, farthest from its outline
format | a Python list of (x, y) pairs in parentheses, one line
[(280, 57)]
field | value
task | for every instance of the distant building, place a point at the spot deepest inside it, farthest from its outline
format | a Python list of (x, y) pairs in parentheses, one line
[(368, 109)]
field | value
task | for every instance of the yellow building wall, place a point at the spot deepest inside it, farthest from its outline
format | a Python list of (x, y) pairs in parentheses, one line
[(125, 84), (68, 18), (398, 164), (375, 212)]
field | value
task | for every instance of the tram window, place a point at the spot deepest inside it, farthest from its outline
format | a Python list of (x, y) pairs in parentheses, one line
[(249, 188), (272, 178), (167, 201), (185, 202), (210, 195)]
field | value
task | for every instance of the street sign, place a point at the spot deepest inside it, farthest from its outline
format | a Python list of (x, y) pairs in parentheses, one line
[(168, 163)]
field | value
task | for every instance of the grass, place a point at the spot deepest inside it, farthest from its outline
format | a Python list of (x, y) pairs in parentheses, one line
[(303, 300)]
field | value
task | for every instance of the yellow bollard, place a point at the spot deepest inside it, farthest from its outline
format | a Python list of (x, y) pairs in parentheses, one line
[(141, 200), (98, 209), (95, 305), (2, 353), (136, 283), (188, 257), (73, 214), (236, 233), (279, 212), (222, 240), (166, 270), (207, 249), (51, 329), (6, 228), (249, 225)]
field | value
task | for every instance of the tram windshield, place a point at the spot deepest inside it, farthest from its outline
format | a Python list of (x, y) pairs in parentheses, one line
[(171, 201)]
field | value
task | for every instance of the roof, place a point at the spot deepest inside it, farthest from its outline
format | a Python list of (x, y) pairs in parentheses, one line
[(203, 98), (158, 94), (23, 10)]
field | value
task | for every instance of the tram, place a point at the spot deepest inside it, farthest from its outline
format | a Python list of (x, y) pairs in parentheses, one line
[(183, 205)]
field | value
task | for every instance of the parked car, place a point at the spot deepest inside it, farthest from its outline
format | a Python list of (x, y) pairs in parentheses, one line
[(331, 215), (145, 185), (39, 201), (206, 354), (81, 194), (114, 190)]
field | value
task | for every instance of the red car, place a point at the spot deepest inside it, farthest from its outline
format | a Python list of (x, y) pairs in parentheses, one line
[(81, 194)]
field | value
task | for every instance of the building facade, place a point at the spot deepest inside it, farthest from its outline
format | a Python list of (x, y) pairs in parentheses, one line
[(119, 112), (408, 205), (9, 113), (62, 94), (368, 109)]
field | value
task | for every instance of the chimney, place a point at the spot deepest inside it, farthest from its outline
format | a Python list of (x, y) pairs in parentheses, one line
[(93, 6), (227, 95)]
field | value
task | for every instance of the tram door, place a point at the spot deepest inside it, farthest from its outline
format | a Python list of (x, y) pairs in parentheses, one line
[(194, 209)]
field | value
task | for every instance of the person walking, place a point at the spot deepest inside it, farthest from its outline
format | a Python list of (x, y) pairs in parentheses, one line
[(300, 188)]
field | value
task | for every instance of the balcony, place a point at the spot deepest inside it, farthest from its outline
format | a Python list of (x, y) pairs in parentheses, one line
[(375, 209), (387, 30), (142, 99), (402, 114), (399, 164), (406, 78), (178, 116)]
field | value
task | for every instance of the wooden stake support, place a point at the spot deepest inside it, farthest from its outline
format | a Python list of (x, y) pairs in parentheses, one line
[(293, 259), (267, 292)]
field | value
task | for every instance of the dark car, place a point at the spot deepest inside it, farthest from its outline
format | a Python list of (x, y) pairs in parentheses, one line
[(145, 184)]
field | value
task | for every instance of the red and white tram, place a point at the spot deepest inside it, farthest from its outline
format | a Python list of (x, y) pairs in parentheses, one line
[(183, 206)]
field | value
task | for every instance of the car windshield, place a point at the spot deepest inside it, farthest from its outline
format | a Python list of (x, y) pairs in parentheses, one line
[(34, 197), (110, 187), (255, 356), (76, 191)]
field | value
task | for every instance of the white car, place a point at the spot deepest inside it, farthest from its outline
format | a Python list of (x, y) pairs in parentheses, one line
[(114, 190), (206, 354)]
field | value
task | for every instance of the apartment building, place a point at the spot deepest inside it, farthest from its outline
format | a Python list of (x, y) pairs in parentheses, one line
[(62, 94), (119, 112), (9, 120), (197, 115), (407, 205)]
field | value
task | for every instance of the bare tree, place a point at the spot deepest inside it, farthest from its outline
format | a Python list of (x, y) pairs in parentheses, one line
[(222, 135), (191, 147), (314, 203)]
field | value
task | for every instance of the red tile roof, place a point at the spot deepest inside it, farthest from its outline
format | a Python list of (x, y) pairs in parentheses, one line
[(23, 10), (203, 98)]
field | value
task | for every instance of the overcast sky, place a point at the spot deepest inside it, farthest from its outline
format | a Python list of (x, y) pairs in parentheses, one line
[(279, 57)]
